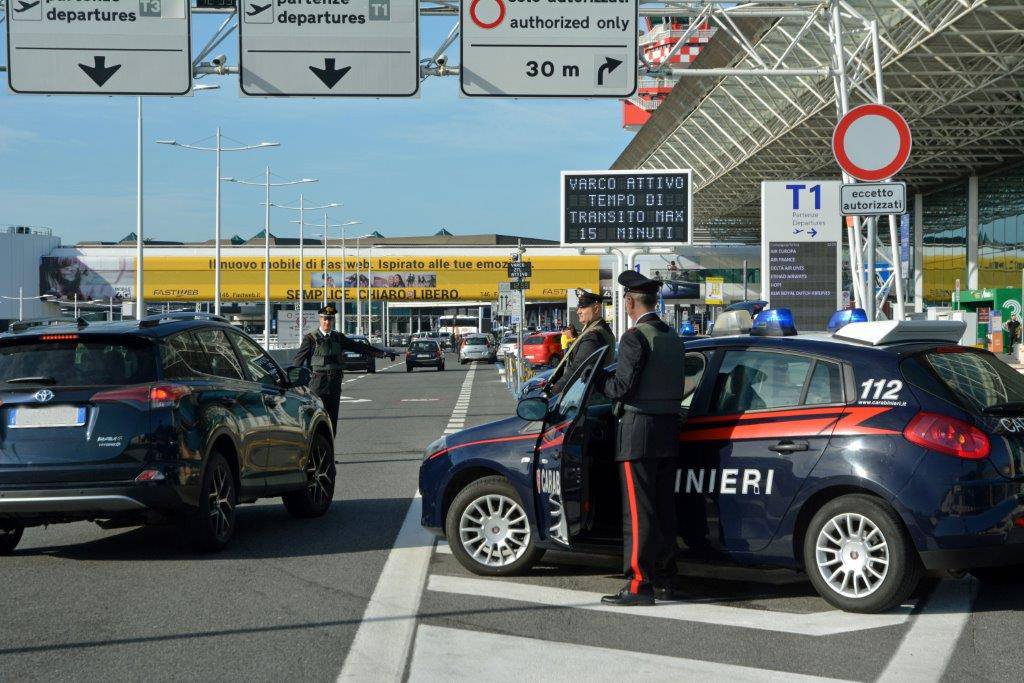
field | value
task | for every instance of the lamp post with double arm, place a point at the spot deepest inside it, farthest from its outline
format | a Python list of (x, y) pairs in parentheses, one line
[(218, 148)]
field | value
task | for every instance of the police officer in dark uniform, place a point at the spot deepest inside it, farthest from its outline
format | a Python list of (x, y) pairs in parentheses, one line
[(648, 386), (594, 335), (322, 352)]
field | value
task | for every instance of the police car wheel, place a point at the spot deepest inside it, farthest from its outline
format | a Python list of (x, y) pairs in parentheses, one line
[(213, 524), (858, 555), (10, 536), (488, 530), (314, 499), (1000, 575)]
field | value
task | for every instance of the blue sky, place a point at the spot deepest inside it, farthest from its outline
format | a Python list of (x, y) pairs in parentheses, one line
[(405, 167)]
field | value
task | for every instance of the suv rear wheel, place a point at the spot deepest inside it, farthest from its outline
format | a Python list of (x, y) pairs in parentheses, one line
[(10, 536), (213, 524), (858, 555), (488, 530), (314, 499)]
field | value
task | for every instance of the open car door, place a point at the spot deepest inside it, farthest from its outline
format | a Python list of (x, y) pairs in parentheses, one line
[(559, 459)]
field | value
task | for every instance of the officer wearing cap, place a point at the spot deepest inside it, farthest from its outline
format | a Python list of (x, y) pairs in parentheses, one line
[(322, 352), (594, 335), (648, 386)]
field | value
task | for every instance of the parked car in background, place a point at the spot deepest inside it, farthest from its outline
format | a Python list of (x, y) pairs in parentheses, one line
[(477, 347), (424, 353), (165, 420), (360, 361), (399, 339), (543, 348), (509, 346)]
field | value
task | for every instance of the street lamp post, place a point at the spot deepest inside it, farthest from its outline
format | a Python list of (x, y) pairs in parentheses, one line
[(266, 241), (326, 225), (216, 223), (301, 208)]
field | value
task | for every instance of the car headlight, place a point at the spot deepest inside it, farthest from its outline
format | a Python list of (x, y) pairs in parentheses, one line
[(436, 447)]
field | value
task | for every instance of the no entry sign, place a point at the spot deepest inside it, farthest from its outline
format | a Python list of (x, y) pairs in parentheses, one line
[(872, 142)]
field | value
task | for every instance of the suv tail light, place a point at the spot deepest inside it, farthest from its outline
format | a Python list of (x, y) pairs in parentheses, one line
[(160, 396), (947, 435)]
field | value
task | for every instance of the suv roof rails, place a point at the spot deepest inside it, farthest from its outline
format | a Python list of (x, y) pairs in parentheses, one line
[(22, 325), (154, 320)]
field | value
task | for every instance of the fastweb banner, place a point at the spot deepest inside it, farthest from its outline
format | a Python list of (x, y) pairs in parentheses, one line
[(392, 278)]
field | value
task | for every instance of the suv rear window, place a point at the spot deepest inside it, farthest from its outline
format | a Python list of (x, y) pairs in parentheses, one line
[(476, 341), (423, 346), (979, 380), (533, 340), (82, 362)]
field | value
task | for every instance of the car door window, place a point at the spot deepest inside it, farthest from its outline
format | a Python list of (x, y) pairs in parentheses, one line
[(826, 385), (695, 364), (572, 398), (183, 358), (755, 380), (215, 346), (258, 365)]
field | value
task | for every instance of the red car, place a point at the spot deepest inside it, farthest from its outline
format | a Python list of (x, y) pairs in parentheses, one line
[(543, 348)]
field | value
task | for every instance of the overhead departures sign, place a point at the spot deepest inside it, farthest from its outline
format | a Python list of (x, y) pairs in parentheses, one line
[(549, 48), (801, 249), (413, 278), (99, 47), (342, 48), (626, 208)]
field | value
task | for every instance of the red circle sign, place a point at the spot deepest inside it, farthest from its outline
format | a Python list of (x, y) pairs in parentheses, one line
[(872, 142), (485, 24)]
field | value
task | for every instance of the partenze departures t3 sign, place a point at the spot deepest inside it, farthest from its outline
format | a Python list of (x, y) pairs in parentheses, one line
[(626, 208), (329, 48), (99, 47), (549, 48)]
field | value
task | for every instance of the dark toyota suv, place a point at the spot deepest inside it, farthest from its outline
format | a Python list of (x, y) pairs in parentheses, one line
[(171, 419)]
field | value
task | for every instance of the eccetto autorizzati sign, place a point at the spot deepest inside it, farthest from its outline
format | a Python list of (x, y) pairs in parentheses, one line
[(394, 278)]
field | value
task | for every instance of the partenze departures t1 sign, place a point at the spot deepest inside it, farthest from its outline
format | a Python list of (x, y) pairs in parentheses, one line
[(99, 47), (549, 48), (626, 208), (329, 48)]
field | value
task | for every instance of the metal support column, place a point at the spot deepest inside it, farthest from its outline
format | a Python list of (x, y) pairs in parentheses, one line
[(972, 232), (918, 253)]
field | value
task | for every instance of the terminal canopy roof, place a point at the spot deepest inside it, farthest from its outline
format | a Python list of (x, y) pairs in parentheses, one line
[(953, 68)]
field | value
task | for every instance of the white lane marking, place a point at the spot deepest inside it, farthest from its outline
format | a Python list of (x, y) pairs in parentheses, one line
[(381, 646), (928, 645), (452, 430), (415, 400), (349, 399), (816, 624), (447, 654)]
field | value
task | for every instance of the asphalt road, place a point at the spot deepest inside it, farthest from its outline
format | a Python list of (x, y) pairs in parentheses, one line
[(364, 592)]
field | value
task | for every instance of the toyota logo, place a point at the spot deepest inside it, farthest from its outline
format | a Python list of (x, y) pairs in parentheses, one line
[(43, 395)]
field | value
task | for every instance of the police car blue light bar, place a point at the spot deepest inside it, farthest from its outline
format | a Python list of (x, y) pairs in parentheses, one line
[(846, 316), (773, 322)]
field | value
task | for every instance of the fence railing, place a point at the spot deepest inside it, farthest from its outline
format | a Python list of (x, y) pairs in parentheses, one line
[(517, 372)]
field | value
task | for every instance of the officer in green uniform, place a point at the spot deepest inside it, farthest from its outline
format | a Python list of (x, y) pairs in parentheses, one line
[(648, 386), (594, 335), (322, 352)]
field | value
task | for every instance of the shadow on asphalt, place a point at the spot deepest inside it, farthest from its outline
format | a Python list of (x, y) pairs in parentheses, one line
[(264, 531)]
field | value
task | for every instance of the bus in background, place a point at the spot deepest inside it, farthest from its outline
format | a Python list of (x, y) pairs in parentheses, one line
[(452, 326)]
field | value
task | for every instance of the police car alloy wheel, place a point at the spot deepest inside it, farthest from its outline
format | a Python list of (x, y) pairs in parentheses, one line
[(10, 536), (488, 530), (859, 556)]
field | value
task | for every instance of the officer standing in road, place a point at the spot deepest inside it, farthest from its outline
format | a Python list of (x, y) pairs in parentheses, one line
[(322, 352), (594, 335), (648, 385)]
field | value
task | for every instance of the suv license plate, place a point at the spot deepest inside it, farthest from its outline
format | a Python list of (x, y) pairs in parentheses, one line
[(50, 416)]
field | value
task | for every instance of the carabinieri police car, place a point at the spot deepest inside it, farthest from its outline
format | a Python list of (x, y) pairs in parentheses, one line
[(864, 458)]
